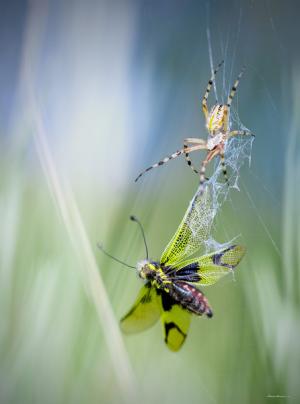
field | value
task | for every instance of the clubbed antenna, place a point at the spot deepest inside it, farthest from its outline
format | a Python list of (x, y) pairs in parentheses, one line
[(135, 219), (112, 257)]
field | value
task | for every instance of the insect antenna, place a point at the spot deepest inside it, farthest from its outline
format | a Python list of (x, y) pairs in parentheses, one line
[(112, 257), (135, 219)]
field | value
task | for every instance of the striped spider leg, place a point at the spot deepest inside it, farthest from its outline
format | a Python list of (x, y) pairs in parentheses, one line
[(217, 124), (185, 150)]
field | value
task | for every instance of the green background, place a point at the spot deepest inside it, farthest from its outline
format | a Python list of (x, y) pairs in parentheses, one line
[(92, 93)]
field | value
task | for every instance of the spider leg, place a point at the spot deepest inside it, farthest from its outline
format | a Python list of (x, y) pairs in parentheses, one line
[(234, 88), (240, 132), (193, 140), (209, 157), (166, 159), (208, 88), (223, 166)]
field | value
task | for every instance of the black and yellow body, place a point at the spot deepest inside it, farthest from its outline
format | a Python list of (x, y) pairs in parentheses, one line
[(171, 300), (170, 290), (176, 285)]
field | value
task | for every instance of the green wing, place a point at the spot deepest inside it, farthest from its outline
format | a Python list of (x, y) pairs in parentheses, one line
[(144, 313), (192, 231), (209, 268), (175, 322)]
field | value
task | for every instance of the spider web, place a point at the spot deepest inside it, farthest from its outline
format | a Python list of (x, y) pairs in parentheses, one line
[(237, 153), (205, 205), (237, 149)]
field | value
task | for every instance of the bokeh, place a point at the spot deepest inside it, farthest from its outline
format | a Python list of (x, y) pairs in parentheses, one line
[(92, 93)]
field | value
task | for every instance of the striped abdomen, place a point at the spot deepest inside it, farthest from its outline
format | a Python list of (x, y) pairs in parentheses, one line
[(190, 298)]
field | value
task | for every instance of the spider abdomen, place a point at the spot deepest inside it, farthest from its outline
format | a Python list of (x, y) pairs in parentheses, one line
[(217, 119)]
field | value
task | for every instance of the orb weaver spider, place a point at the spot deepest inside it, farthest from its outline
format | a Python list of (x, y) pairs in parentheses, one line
[(217, 125)]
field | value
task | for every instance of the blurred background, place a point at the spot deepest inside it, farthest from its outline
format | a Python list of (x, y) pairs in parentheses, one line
[(92, 93)]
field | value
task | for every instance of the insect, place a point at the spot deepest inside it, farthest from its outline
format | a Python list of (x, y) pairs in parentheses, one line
[(170, 290), (218, 127)]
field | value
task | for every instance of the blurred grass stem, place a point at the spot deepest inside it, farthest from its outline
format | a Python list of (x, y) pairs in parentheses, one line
[(68, 209)]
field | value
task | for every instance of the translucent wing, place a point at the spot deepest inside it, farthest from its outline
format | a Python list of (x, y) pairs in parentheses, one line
[(209, 268), (144, 313), (175, 322), (192, 231)]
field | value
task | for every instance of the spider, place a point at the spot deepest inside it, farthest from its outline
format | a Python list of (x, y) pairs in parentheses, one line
[(217, 124)]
